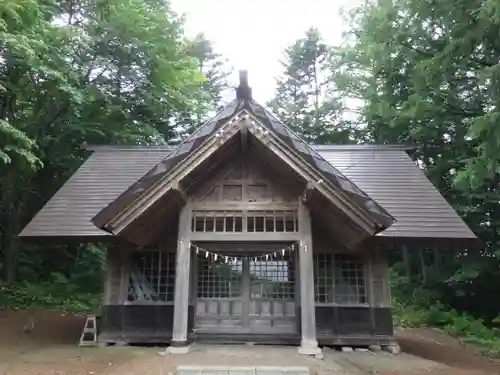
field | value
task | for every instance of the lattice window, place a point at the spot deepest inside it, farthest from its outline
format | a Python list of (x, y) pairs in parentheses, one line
[(272, 279), (272, 221), (245, 221), (152, 277), (217, 221), (219, 279), (339, 278)]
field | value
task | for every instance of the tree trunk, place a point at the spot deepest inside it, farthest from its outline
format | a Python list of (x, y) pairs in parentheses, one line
[(10, 242), (406, 261), (421, 254)]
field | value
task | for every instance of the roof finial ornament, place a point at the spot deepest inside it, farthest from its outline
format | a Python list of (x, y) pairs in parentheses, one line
[(243, 91)]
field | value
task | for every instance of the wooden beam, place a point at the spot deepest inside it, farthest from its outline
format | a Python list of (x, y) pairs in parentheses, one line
[(179, 343), (246, 236), (246, 206), (309, 344)]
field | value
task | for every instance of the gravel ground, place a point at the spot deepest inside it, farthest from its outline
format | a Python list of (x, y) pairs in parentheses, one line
[(52, 349)]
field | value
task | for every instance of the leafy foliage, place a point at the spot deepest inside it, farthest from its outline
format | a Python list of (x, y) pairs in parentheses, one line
[(305, 98), (58, 294), (74, 284), (216, 72), (425, 73), (75, 73), (416, 306)]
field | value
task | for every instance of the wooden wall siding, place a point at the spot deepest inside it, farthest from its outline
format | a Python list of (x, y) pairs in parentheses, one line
[(242, 180), (242, 203)]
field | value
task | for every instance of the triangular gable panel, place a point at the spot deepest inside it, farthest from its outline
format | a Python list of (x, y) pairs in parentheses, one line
[(273, 125)]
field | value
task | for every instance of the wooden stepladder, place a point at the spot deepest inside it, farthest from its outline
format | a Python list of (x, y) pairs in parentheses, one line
[(89, 333)]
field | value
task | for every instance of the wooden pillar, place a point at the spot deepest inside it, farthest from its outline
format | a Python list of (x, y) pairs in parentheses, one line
[(309, 344), (179, 343)]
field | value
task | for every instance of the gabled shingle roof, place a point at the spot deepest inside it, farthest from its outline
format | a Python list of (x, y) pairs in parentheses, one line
[(209, 129), (386, 174)]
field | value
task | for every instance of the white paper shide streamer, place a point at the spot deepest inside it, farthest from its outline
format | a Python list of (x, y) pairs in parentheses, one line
[(268, 256)]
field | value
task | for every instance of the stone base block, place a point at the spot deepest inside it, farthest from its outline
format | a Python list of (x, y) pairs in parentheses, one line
[(309, 350), (177, 350)]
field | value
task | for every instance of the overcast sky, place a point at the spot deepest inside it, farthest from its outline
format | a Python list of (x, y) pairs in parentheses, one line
[(253, 34)]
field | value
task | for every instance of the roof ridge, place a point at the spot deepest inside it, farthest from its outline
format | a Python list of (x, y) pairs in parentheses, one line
[(333, 147)]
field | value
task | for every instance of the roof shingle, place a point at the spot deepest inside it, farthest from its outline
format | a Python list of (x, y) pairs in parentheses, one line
[(387, 175)]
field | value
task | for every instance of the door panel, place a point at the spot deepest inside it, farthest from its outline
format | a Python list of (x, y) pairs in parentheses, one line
[(219, 306), (272, 296), (246, 296)]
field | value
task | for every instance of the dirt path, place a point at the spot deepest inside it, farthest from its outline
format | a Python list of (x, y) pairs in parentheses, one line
[(51, 348), (431, 344)]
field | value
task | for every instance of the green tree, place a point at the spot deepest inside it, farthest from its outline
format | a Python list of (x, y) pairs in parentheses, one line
[(75, 72), (427, 73), (215, 70), (305, 98)]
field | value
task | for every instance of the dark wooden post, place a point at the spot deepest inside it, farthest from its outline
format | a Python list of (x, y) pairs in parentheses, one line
[(179, 343), (309, 344)]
